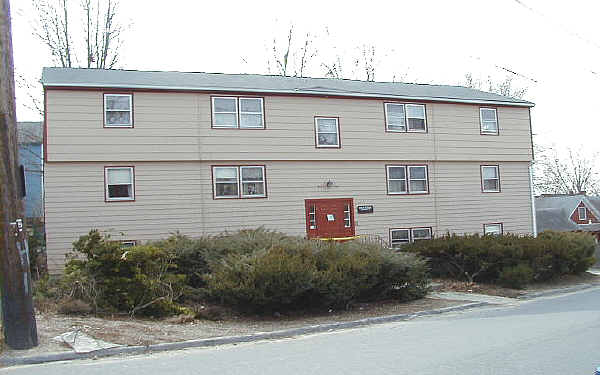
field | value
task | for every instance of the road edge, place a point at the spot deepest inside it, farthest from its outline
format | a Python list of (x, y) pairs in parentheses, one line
[(216, 341)]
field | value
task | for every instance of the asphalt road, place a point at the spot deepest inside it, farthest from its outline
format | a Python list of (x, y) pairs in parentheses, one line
[(558, 335)]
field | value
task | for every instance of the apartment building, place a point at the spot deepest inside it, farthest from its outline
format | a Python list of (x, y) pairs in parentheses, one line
[(144, 154)]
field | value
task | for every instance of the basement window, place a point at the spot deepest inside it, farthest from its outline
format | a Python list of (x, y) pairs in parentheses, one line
[(493, 229)]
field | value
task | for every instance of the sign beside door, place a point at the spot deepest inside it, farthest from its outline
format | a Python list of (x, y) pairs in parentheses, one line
[(329, 218)]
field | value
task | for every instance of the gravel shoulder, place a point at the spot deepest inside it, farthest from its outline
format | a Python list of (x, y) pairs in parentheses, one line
[(446, 285), (131, 332)]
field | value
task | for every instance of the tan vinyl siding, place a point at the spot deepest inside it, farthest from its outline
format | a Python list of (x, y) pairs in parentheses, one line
[(177, 126), (173, 196)]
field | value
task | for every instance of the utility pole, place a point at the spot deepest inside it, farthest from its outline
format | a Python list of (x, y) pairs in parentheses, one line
[(20, 330)]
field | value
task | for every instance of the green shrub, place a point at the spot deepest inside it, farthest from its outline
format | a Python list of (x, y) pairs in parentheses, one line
[(516, 277), (274, 272), (495, 258), (137, 279)]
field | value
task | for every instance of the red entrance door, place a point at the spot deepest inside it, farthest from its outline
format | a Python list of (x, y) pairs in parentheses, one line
[(329, 218)]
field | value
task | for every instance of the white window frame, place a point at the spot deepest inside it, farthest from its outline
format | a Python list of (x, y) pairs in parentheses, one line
[(481, 121), (483, 179), (388, 174), (241, 182), (236, 113), (407, 128), (240, 195), (387, 127), (106, 124), (409, 177), (106, 185), (584, 213), (407, 174), (407, 230), (337, 126), (412, 234), (486, 231), (347, 215), (214, 176), (261, 113)]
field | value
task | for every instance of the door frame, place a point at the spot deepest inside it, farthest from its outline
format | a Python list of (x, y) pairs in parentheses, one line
[(309, 201)]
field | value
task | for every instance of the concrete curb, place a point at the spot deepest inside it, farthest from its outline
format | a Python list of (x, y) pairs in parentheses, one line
[(210, 342), (553, 292)]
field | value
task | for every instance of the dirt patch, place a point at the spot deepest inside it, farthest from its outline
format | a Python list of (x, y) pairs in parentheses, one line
[(447, 285), (126, 331)]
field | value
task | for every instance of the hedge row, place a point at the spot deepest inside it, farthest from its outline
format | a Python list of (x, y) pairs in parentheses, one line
[(252, 270), (510, 260)]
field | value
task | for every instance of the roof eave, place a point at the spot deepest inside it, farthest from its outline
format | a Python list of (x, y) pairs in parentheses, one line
[(298, 91)]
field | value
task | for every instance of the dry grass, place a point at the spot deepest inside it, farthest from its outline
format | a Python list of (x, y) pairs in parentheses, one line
[(447, 285), (126, 331)]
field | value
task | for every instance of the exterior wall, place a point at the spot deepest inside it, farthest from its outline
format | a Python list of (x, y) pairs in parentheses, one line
[(590, 215), (177, 126), (173, 196), (30, 156)]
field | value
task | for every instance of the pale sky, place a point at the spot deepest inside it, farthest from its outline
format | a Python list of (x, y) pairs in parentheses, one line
[(554, 44)]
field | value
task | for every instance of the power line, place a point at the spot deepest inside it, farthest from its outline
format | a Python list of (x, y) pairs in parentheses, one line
[(562, 26)]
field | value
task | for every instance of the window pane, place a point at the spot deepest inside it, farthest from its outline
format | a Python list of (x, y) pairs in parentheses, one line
[(490, 172), (418, 186), (225, 105), (417, 172), (118, 102), (119, 176), (416, 124), (226, 190), (492, 229), (421, 234), (488, 114), (250, 121), (327, 125), (490, 185), (225, 174), (328, 140), (397, 186), (395, 116), (252, 174), (118, 118), (415, 111), (490, 126), (226, 119), (251, 105), (253, 188), (400, 235), (119, 191), (396, 173)]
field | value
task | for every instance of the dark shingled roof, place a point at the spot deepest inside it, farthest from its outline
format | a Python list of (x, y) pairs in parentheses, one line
[(553, 212), (133, 79)]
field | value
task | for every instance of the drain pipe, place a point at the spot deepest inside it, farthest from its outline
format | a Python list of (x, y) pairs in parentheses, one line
[(532, 200)]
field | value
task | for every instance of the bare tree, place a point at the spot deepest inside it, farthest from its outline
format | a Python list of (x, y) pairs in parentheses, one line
[(289, 58), (572, 172), (505, 87), (335, 68), (366, 62), (101, 34)]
